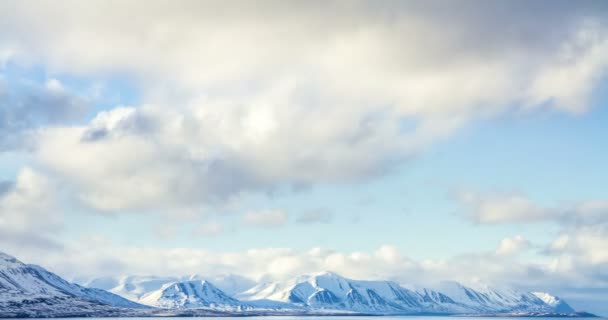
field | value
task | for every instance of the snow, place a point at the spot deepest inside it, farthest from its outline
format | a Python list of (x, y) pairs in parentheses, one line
[(32, 290), (29, 290), (328, 290), (558, 304), (190, 294)]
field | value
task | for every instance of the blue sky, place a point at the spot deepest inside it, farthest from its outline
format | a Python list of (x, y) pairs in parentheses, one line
[(392, 141), (549, 156)]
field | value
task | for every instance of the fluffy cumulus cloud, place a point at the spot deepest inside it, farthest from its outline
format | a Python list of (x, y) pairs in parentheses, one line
[(513, 245), (577, 256), (29, 215), (257, 263), (255, 97), (385, 262)]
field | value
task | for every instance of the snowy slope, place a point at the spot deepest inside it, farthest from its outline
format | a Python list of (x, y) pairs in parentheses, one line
[(485, 299), (558, 304), (190, 294), (135, 287), (330, 291), (30, 290)]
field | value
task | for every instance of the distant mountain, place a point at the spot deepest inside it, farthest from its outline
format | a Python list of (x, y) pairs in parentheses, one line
[(30, 290), (190, 294), (485, 299), (331, 291), (135, 287)]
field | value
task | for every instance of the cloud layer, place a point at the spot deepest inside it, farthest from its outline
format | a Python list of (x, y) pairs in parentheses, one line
[(259, 97)]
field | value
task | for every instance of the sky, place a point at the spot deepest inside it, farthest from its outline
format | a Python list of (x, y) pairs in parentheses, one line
[(416, 141)]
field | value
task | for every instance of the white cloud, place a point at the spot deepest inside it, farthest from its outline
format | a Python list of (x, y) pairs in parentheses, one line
[(385, 262), (513, 245), (580, 263), (266, 218), (502, 208), (580, 246), (499, 208), (576, 256), (29, 213), (260, 100), (568, 80), (389, 254)]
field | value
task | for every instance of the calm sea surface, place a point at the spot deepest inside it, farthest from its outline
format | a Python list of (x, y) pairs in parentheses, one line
[(344, 318)]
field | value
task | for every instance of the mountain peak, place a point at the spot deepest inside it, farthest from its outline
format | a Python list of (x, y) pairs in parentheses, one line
[(554, 301), (189, 294), (8, 261)]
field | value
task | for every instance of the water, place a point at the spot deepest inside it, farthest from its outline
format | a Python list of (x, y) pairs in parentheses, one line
[(343, 318)]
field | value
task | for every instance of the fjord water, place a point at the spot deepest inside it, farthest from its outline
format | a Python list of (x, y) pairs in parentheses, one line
[(343, 318)]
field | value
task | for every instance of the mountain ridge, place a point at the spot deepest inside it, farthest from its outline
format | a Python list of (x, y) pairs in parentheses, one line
[(328, 290), (28, 290)]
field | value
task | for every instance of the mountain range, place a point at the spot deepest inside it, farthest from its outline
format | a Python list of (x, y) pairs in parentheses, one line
[(32, 291)]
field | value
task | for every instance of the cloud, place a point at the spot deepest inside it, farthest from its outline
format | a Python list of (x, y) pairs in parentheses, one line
[(499, 208), (384, 262), (29, 214), (266, 218), (563, 273), (503, 208), (27, 106), (581, 246), (513, 245), (265, 101), (319, 215), (576, 257), (582, 62)]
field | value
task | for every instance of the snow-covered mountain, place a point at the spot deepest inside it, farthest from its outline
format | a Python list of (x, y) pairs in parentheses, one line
[(135, 287), (30, 290), (485, 299), (558, 304), (330, 291), (190, 294)]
